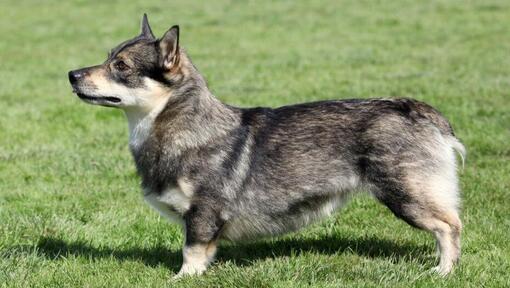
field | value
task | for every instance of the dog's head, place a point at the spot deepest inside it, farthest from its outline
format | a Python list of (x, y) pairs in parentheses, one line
[(138, 73)]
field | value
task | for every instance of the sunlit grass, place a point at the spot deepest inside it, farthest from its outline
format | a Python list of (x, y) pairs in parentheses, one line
[(71, 213)]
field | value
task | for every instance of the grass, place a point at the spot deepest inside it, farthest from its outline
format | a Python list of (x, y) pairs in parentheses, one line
[(71, 212)]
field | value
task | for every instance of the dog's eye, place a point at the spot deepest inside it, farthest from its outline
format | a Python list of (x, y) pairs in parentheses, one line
[(121, 65)]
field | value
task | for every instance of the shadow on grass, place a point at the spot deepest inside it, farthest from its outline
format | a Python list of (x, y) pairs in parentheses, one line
[(242, 254), (54, 248), (371, 247)]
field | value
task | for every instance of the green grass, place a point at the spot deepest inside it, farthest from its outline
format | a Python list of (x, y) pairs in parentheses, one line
[(71, 211)]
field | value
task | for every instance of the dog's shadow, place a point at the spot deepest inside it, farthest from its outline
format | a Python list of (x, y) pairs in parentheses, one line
[(243, 254)]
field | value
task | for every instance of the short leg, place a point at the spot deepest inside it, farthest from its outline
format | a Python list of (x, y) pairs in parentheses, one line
[(447, 234), (202, 228), (424, 209)]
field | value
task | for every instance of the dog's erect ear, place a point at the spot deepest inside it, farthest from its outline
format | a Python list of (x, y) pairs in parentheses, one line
[(169, 47), (146, 29)]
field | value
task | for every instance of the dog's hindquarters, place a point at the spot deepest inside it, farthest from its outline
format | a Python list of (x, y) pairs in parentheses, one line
[(417, 180)]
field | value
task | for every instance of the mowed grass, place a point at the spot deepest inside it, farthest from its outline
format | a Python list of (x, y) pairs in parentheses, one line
[(71, 211)]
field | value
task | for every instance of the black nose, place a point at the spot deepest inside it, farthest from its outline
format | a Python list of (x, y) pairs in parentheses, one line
[(76, 75)]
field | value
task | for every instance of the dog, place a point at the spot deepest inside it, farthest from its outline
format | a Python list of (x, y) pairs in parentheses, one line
[(231, 173)]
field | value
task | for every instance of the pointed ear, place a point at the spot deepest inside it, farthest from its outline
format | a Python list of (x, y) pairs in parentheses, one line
[(169, 47), (146, 29)]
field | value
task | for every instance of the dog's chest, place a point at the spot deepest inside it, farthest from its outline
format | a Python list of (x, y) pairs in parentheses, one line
[(171, 203)]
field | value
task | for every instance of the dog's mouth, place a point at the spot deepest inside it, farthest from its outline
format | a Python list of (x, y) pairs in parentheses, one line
[(93, 98), (96, 99)]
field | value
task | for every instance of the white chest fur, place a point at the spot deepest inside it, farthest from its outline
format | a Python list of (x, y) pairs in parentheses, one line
[(143, 111), (140, 126), (172, 203)]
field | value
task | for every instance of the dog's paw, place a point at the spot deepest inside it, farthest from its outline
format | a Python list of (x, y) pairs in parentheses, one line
[(189, 270), (442, 271)]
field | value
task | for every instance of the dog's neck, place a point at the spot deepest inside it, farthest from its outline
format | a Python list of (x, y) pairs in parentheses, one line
[(188, 118)]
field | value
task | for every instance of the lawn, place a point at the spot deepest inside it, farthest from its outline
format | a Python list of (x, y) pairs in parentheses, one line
[(71, 211)]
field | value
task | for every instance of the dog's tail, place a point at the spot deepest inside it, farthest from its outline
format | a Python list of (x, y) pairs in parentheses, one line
[(458, 147), (447, 132)]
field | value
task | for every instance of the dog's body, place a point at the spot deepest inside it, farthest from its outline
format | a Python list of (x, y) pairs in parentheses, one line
[(232, 173)]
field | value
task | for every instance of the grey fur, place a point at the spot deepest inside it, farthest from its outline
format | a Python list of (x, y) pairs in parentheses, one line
[(262, 171)]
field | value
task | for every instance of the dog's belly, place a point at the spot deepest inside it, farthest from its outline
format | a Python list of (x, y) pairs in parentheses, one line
[(259, 225)]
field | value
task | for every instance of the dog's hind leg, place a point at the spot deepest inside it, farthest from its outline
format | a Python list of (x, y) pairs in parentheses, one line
[(426, 200)]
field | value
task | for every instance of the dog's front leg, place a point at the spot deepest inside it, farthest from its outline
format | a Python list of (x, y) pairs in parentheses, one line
[(197, 257), (202, 226)]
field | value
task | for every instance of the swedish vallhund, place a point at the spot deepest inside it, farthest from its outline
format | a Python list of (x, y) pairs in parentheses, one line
[(231, 173)]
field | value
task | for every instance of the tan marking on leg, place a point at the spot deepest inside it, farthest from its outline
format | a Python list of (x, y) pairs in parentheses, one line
[(196, 258)]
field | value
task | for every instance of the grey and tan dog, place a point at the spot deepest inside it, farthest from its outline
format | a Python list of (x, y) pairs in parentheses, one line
[(230, 173)]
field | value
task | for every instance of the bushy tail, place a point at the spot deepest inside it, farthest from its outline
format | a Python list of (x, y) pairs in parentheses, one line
[(458, 147)]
